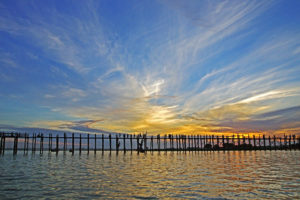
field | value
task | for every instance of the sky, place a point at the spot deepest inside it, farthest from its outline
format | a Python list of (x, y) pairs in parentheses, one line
[(161, 67)]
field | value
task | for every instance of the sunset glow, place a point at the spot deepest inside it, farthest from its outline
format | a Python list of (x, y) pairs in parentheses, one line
[(161, 67)]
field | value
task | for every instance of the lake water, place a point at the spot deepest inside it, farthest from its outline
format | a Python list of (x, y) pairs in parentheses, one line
[(172, 175)]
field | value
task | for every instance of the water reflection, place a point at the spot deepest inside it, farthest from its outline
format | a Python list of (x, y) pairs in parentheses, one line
[(194, 175)]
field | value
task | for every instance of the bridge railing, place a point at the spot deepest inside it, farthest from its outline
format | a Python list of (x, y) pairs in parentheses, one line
[(142, 143)]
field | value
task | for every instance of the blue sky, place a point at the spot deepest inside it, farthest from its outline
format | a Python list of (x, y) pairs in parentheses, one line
[(156, 66)]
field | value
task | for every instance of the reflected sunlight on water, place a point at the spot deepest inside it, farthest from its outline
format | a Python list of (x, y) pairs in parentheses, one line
[(195, 175)]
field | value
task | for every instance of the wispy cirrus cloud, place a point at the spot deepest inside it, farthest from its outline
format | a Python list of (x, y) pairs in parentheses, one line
[(183, 67)]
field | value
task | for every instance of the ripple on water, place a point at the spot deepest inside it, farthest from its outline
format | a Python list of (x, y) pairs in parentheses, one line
[(194, 175)]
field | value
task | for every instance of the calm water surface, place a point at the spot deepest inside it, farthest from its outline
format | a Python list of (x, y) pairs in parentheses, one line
[(175, 175)]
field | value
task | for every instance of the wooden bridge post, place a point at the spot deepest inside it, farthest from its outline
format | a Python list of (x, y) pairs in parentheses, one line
[(24, 146), (16, 139), (270, 145), (196, 142), (35, 138), (145, 142), (185, 143), (182, 142), (131, 143), (124, 143), (138, 143), (151, 143), (201, 141), (95, 144), (264, 140), (73, 143), (79, 143), (280, 143), (244, 142), (298, 142), (286, 142), (117, 143), (34, 143), (65, 142), (57, 145), (274, 140), (223, 142), (27, 145), (25, 142), (50, 142), (181, 145), (254, 142), (207, 140), (158, 142), (294, 139), (172, 141), (42, 144), (3, 144), (14, 147), (290, 142), (232, 140), (189, 142), (259, 142), (102, 143), (249, 142), (18, 135), (88, 144), (177, 144), (109, 142)]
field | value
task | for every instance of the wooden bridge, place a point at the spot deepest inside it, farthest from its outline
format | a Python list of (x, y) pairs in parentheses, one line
[(141, 143)]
